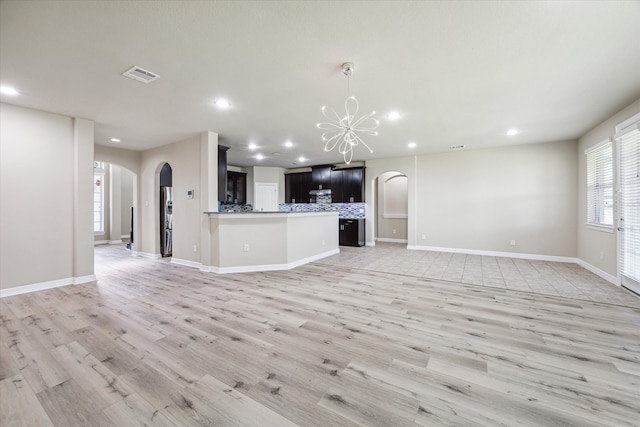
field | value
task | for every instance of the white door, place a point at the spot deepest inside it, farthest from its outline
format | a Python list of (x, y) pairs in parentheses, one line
[(628, 143), (266, 196)]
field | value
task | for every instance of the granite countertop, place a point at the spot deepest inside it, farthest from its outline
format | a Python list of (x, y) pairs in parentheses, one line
[(270, 212)]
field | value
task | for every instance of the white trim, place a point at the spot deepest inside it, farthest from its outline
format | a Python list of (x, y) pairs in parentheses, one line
[(596, 227), (518, 255), (627, 125), (186, 262), (146, 255), (100, 242), (115, 242), (598, 145), (387, 240), (370, 244), (395, 216), (84, 279), (595, 270), (34, 287), (125, 236), (267, 267)]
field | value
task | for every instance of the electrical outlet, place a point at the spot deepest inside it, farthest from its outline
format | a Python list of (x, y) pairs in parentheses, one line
[(246, 247), (513, 243)]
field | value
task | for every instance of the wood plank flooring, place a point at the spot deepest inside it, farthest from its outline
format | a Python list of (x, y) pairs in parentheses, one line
[(154, 344)]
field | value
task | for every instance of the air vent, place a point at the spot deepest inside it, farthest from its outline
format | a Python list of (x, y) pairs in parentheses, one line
[(140, 74), (456, 147)]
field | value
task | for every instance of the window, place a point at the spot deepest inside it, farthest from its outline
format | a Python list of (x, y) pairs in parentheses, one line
[(600, 185), (98, 202)]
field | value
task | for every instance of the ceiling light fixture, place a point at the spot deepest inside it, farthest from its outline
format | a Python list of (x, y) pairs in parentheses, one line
[(342, 132), (259, 157), (412, 145), (252, 146), (9, 90), (222, 103), (512, 132), (302, 159), (394, 115), (114, 140), (288, 144)]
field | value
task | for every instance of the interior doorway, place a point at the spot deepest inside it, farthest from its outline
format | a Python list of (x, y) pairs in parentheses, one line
[(391, 208), (266, 197), (166, 210)]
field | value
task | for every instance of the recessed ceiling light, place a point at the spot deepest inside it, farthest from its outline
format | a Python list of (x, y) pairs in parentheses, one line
[(252, 146), (302, 159), (288, 144), (259, 157), (412, 145), (512, 132), (222, 103), (394, 115), (114, 140), (9, 90)]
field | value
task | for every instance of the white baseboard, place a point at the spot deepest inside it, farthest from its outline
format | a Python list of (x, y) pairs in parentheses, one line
[(370, 244), (115, 242), (518, 255), (267, 267), (186, 262), (387, 240), (595, 270), (101, 242), (146, 255), (125, 236), (24, 289)]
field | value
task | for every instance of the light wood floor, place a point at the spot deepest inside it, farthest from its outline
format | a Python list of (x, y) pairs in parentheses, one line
[(321, 345)]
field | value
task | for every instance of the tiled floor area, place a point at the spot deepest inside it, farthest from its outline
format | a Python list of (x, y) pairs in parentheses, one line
[(540, 277)]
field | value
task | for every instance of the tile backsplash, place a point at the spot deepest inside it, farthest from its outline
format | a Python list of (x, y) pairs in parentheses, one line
[(345, 210)]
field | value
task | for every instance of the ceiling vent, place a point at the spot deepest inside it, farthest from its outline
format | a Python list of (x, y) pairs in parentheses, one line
[(140, 74), (456, 147)]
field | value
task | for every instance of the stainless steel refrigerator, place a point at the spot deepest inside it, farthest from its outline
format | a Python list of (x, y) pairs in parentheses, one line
[(166, 220)]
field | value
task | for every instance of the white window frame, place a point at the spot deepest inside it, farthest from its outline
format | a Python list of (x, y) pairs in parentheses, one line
[(600, 186), (98, 205)]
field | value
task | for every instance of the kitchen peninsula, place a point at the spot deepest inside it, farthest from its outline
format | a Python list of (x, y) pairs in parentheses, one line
[(261, 241)]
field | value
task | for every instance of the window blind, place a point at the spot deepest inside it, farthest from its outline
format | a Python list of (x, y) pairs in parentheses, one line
[(600, 185), (629, 159)]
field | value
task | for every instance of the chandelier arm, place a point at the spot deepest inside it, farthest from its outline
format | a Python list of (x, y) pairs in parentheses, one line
[(361, 141), (346, 107), (366, 118), (332, 142), (335, 117)]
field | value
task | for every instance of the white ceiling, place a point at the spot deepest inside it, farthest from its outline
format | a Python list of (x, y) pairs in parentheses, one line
[(458, 72)]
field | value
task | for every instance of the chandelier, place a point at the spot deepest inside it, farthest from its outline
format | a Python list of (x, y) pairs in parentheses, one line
[(344, 132)]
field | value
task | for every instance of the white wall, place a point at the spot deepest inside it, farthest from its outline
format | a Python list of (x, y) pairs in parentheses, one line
[(194, 167), (592, 243), (46, 219), (483, 199)]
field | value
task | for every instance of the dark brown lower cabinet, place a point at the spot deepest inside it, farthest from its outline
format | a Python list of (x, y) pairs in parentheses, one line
[(351, 232)]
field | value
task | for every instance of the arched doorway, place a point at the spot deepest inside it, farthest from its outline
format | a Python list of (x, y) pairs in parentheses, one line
[(166, 210), (391, 208)]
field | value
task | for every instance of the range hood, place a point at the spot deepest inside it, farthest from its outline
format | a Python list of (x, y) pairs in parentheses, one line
[(326, 192)]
